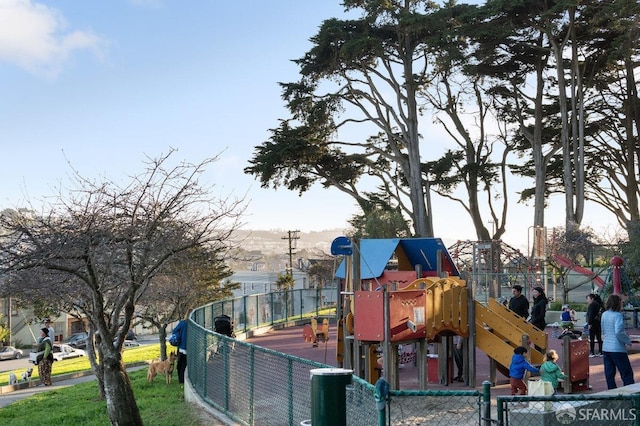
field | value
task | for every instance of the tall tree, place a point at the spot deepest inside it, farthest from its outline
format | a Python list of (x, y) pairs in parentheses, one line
[(512, 50), (475, 170), (587, 111), (105, 243), (612, 35), (365, 73)]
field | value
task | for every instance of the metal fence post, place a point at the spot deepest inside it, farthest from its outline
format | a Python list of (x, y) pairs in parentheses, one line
[(244, 313), (486, 403)]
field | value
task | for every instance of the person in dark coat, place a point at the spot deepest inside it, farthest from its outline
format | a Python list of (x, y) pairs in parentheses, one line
[(539, 309), (519, 303), (44, 358), (181, 331), (594, 311)]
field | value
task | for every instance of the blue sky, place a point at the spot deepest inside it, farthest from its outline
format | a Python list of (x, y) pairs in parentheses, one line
[(100, 85)]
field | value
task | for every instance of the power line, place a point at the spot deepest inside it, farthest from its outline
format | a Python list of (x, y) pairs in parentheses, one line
[(292, 236)]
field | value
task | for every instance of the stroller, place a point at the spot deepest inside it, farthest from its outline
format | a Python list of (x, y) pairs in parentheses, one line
[(569, 331), (222, 324)]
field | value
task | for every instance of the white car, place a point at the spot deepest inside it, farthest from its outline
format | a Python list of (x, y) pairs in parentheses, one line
[(9, 352), (60, 352), (63, 351), (130, 344)]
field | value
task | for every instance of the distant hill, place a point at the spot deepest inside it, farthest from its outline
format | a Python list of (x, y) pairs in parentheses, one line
[(277, 241), (269, 250)]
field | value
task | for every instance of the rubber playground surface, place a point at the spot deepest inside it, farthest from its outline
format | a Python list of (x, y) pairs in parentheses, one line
[(291, 341)]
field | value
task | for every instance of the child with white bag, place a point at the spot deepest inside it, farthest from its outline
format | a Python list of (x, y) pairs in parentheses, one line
[(549, 370)]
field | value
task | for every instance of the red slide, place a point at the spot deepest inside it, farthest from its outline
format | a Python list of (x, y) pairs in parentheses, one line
[(579, 269)]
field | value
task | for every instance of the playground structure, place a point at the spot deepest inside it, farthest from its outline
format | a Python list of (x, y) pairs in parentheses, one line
[(409, 292), (615, 282), (313, 334)]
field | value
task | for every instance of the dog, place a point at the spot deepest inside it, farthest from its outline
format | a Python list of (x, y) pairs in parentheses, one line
[(12, 378), (26, 375), (162, 367)]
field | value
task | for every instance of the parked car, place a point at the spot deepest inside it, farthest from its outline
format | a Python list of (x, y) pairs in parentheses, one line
[(78, 340), (9, 352), (61, 352), (131, 335), (130, 344)]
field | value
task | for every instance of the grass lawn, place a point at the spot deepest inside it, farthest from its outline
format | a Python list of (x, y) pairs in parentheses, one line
[(159, 404), (131, 355)]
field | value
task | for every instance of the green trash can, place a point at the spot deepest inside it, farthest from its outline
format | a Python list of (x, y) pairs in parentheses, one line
[(328, 396)]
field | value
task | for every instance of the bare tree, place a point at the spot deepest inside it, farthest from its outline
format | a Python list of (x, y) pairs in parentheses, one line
[(576, 245), (101, 244), (192, 279)]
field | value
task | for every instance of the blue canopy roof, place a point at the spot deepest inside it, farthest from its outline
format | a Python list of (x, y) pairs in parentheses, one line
[(376, 253)]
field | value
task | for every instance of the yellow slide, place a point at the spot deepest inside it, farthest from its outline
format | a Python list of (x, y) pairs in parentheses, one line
[(499, 331)]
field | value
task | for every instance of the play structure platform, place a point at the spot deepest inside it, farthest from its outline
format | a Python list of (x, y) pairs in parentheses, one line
[(421, 300)]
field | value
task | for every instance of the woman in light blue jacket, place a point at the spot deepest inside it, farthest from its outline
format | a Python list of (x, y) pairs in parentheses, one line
[(615, 343)]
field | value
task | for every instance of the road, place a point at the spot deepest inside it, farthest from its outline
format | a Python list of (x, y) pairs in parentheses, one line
[(15, 364)]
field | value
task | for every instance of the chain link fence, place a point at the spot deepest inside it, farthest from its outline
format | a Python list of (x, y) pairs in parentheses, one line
[(556, 410), (435, 408), (265, 309), (258, 386)]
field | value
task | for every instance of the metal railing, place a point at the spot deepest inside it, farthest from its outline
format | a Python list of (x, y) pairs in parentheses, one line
[(596, 409), (259, 386), (265, 309)]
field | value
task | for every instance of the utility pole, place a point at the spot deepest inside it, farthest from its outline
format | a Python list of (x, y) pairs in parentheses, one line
[(292, 236)]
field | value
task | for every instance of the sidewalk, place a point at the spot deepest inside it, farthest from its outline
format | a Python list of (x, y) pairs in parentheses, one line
[(11, 393)]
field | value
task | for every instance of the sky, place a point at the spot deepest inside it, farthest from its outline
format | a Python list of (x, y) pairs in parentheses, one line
[(100, 86)]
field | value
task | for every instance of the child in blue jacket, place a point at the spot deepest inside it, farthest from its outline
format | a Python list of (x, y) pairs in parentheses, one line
[(518, 367)]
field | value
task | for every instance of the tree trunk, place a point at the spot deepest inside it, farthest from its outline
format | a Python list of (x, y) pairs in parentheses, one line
[(632, 117), (538, 155), (421, 222), (121, 403), (577, 120), (163, 342), (97, 368)]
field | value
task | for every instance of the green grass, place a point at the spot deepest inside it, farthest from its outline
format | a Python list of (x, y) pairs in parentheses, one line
[(159, 404), (73, 365)]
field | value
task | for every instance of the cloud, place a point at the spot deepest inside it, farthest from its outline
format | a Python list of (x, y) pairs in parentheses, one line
[(35, 38)]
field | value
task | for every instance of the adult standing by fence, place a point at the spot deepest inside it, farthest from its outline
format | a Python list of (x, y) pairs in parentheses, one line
[(615, 343), (519, 303), (180, 331), (594, 311)]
